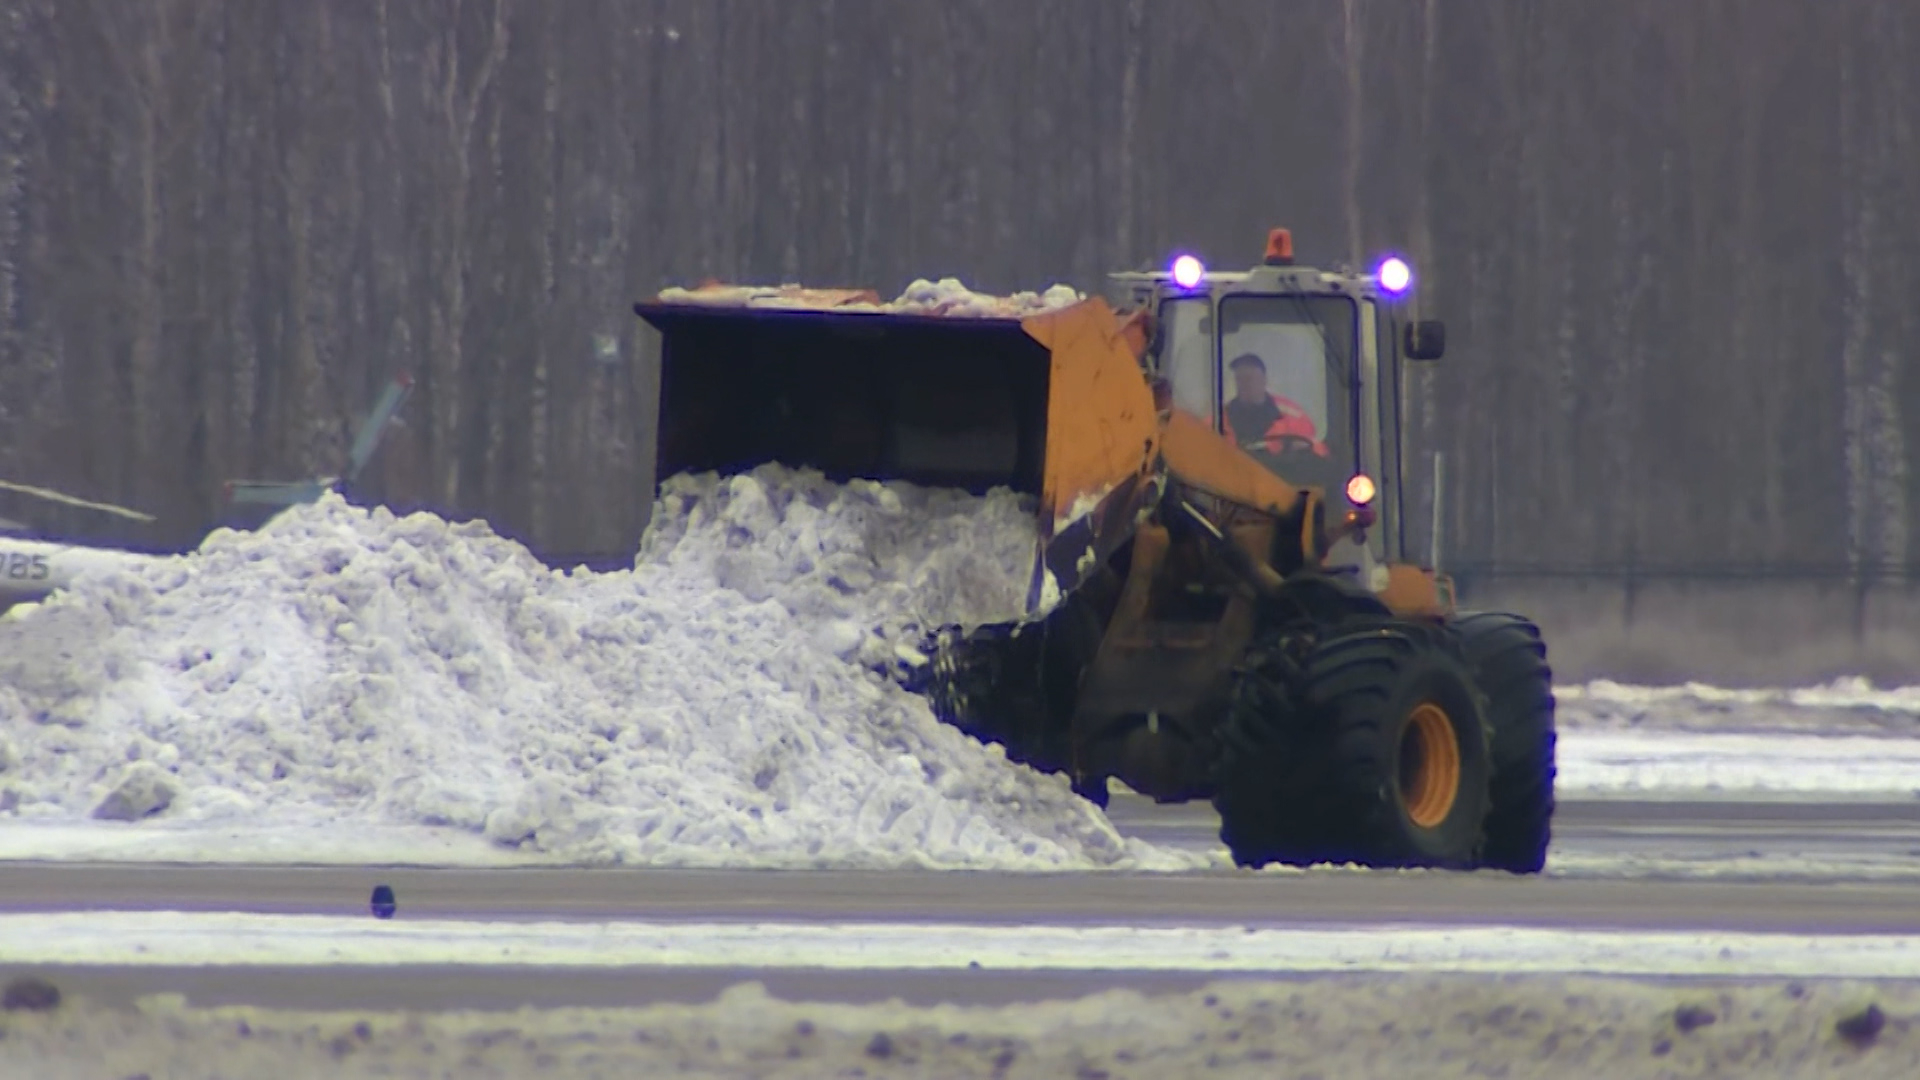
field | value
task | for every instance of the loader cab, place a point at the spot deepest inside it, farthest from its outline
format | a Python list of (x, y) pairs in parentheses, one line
[(1331, 346)]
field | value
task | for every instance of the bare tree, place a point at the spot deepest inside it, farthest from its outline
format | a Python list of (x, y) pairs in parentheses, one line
[(457, 98), (223, 225)]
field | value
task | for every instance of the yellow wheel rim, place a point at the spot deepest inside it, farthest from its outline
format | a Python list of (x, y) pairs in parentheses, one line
[(1429, 765)]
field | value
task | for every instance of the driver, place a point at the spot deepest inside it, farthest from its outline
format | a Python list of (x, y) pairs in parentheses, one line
[(1254, 408)]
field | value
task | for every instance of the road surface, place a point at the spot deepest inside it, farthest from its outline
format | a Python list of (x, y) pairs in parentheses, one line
[(1780, 832), (1884, 833), (1283, 900)]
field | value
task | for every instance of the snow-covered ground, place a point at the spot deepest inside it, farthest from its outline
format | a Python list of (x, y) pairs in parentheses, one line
[(1844, 707), (347, 686), (196, 939), (1685, 765), (1842, 741), (1538, 1027)]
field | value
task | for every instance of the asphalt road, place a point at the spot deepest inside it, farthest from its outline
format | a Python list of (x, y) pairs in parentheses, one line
[(1886, 833), (1279, 900), (1776, 831)]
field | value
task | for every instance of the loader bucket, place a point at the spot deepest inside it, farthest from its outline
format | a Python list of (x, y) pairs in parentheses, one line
[(1053, 406)]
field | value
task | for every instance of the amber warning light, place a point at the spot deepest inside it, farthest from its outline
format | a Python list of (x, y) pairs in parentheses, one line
[(1279, 248)]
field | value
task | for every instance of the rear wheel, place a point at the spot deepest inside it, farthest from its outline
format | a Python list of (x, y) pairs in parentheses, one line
[(1509, 662), (1372, 749)]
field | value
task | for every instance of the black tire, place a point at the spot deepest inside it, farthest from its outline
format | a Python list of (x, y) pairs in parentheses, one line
[(1312, 754), (988, 685), (1016, 686), (1509, 661)]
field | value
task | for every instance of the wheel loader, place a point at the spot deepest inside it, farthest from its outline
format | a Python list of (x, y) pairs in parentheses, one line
[(1223, 603)]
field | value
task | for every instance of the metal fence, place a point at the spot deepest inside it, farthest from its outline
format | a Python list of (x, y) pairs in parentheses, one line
[(1682, 572)]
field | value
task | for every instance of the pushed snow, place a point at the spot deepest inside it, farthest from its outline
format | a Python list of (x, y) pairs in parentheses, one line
[(716, 705), (948, 296)]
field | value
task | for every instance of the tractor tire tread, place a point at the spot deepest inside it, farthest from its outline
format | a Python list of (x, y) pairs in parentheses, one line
[(1315, 789), (1509, 658)]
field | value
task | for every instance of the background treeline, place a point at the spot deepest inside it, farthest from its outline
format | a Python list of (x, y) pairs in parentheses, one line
[(1678, 244)]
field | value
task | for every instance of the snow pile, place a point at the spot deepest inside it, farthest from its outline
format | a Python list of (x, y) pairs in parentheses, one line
[(1844, 707), (1522, 1027), (796, 297), (710, 707), (865, 565), (948, 296)]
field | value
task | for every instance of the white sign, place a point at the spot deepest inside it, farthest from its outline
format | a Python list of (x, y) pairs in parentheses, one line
[(30, 569)]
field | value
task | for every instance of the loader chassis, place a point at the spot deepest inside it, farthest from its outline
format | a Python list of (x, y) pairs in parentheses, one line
[(1235, 617)]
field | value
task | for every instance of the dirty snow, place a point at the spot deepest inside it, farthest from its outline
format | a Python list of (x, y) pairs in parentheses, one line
[(713, 706), (1536, 1027)]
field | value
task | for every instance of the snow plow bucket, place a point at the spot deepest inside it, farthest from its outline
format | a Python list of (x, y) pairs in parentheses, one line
[(1051, 404)]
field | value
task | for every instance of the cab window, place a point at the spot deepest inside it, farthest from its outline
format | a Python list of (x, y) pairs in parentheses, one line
[(1285, 366), (1186, 357)]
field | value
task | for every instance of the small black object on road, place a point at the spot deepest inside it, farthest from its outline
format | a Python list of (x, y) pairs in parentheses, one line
[(383, 902), (30, 994)]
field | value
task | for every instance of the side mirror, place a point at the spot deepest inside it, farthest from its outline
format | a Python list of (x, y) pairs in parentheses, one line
[(1425, 339)]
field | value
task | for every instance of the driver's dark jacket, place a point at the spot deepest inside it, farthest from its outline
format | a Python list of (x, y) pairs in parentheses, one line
[(1272, 418)]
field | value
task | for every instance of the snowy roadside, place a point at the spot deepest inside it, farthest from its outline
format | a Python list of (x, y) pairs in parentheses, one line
[(1663, 765), (1850, 707), (1641, 766), (247, 940), (1517, 1027), (350, 687)]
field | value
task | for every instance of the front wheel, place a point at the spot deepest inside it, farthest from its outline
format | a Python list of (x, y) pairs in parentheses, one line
[(1373, 750), (1510, 663)]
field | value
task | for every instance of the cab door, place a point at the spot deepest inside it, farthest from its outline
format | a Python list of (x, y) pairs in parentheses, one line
[(1187, 356)]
